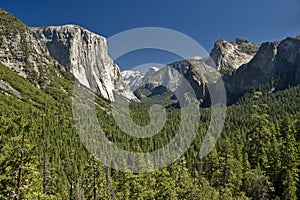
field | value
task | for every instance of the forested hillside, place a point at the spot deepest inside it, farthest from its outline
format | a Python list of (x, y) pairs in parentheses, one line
[(42, 157), (257, 155)]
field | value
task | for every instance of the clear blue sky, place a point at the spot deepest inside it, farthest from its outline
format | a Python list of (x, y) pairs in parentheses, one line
[(203, 20)]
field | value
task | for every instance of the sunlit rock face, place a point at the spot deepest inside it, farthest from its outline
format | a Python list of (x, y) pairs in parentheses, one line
[(84, 54), (232, 55)]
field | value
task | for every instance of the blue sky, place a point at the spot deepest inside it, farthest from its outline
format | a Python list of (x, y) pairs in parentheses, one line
[(204, 21)]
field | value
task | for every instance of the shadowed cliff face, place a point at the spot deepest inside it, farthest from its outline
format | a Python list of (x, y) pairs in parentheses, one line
[(274, 61), (84, 54), (288, 59)]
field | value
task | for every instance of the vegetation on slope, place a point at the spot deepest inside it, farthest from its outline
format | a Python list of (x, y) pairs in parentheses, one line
[(256, 157)]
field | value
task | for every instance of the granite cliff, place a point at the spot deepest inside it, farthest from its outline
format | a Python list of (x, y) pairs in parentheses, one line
[(84, 54), (277, 62)]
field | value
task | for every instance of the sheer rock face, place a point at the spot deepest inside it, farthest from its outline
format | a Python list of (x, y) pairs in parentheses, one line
[(288, 58), (84, 54), (230, 55), (273, 60)]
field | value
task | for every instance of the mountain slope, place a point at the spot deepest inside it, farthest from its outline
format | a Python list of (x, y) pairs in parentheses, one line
[(23, 52)]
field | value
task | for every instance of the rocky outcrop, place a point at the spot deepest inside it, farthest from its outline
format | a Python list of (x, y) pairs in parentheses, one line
[(278, 61), (20, 49), (7, 86), (84, 54), (230, 55)]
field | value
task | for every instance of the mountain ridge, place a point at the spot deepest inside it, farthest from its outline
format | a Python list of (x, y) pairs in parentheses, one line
[(84, 54), (271, 62)]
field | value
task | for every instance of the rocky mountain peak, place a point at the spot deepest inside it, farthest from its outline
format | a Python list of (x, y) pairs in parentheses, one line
[(132, 78), (230, 55), (240, 41)]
